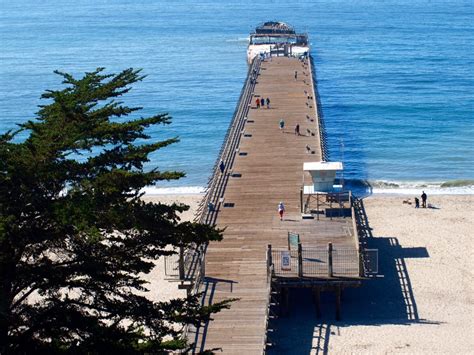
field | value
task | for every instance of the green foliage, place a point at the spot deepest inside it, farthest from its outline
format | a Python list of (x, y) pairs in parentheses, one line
[(75, 235)]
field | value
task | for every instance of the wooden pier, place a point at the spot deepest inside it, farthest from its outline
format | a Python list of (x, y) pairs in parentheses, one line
[(263, 165)]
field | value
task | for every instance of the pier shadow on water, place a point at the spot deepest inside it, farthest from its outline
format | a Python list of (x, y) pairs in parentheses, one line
[(385, 299)]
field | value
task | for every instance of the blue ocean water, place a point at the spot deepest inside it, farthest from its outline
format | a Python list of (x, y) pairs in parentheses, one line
[(396, 78)]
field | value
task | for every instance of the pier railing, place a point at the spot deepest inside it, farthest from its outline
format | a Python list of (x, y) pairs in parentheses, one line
[(214, 196), (268, 303), (320, 118), (331, 205), (213, 199), (186, 266), (315, 262)]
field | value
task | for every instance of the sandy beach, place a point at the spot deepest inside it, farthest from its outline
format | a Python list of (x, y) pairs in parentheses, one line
[(163, 287), (421, 303)]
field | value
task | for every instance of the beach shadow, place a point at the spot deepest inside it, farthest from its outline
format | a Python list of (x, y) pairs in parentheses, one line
[(387, 298)]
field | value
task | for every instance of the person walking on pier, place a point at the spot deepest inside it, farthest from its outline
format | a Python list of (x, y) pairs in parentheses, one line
[(258, 102), (281, 210), (423, 199), (222, 166), (282, 124), (296, 75), (268, 102), (211, 207), (297, 130)]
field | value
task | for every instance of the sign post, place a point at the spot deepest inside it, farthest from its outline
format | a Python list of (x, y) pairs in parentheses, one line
[(285, 261), (293, 240)]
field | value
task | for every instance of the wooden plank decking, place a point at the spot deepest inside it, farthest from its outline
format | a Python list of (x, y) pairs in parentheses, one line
[(270, 172)]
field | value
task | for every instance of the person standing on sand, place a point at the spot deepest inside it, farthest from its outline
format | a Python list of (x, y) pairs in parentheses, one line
[(281, 210), (423, 199), (417, 202), (282, 124)]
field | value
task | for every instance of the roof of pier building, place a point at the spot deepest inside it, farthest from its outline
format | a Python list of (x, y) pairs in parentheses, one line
[(274, 27)]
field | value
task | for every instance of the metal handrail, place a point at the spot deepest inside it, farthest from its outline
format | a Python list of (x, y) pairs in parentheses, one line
[(227, 151), (268, 305), (319, 113), (218, 181)]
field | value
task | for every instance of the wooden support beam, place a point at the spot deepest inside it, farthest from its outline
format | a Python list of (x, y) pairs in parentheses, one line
[(317, 206), (301, 201), (338, 302), (300, 260), (317, 300), (203, 265), (330, 268), (181, 263), (269, 256)]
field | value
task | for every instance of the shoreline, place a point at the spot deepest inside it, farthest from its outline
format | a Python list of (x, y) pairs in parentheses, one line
[(359, 188)]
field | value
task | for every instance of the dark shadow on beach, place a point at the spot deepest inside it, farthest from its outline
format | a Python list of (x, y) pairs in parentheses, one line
[(387, 298)]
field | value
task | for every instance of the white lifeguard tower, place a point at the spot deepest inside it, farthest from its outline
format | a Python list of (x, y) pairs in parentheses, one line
[(323, 190), (323, 174)]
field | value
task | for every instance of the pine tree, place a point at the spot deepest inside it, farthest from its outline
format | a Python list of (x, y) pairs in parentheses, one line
[(75, 234)]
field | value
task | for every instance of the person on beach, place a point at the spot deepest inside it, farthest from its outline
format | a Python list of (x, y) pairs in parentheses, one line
[(417, 202), (258, 102), (297, 130), (281, 210), (296, 75), (268, 102), (222, 166), (423, 199), (282, 124)]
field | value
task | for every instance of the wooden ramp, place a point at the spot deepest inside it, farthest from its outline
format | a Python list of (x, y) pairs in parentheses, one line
[(267, 169)]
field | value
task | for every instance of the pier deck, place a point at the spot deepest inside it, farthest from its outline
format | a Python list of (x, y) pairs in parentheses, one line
[(271, 171)]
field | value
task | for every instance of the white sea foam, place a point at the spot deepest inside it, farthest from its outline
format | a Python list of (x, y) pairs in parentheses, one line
[(454, 187), (358, 186), (466, 190), (178, 190)]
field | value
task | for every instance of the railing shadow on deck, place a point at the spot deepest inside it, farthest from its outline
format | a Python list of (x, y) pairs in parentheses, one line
[(386, 299), (208, 289)]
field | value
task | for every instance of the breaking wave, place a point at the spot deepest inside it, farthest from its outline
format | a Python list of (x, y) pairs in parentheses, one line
[(451, 187)]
